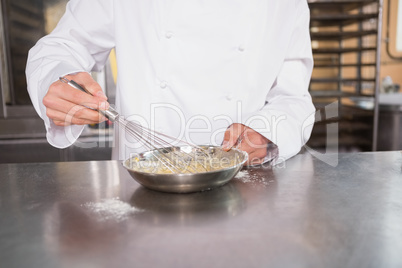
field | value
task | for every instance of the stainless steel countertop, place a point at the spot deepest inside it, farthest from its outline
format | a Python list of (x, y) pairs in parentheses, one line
[(304, 213)]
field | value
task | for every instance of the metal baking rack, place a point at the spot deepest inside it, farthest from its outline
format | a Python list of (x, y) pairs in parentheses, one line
[(346, 48)]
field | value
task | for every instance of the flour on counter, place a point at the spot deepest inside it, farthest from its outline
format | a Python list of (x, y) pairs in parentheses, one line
[(111, 209), (245, 177), (241, 174)]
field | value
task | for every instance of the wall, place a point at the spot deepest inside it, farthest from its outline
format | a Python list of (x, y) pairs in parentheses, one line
[(389, 66)]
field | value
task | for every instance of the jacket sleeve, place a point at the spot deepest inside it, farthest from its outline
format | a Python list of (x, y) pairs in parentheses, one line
[(289, 111), (81, 41)]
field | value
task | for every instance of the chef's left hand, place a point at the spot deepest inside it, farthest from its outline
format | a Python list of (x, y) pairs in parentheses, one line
[(248, 140)]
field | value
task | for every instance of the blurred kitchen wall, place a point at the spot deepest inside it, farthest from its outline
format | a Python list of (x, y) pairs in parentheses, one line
[(391, 58)]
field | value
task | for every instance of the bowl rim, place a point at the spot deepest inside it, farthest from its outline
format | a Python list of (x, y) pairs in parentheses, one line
[(187, 174)]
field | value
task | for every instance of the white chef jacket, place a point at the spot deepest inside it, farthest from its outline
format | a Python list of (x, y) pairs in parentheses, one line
[(187, 68)]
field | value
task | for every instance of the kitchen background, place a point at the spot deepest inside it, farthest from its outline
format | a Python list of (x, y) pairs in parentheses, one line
[(357, 47)]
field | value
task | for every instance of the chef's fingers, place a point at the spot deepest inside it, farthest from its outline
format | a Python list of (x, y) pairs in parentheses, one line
[(67, 109), (62, 91), (248, 140), (64, 101), (65, 104), (78, 115), (255, 145), (85, 80), (232, 136)]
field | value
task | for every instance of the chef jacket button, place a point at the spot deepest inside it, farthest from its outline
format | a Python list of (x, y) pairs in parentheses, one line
[(163, 84), (229, 97), (168, 35), (241, 48)]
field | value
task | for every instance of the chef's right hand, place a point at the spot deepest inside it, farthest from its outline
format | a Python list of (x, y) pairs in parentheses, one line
[(66, 105)]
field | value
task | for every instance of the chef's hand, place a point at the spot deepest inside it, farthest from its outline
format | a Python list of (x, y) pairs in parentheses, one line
[(248, 140), (65, 104)]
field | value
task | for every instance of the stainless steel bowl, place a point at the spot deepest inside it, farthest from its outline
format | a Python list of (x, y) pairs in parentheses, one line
[(187, 183)]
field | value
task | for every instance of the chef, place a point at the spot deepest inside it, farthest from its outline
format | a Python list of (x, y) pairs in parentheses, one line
[(225, 72)]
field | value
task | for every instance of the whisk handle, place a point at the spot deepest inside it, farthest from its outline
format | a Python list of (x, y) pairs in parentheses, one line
[(110, 113)]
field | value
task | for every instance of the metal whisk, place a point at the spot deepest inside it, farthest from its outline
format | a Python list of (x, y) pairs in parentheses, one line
[(160, 145)]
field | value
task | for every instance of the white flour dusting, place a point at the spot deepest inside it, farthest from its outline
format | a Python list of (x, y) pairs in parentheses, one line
[(241, 174), (245, 177), (111, 209)]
